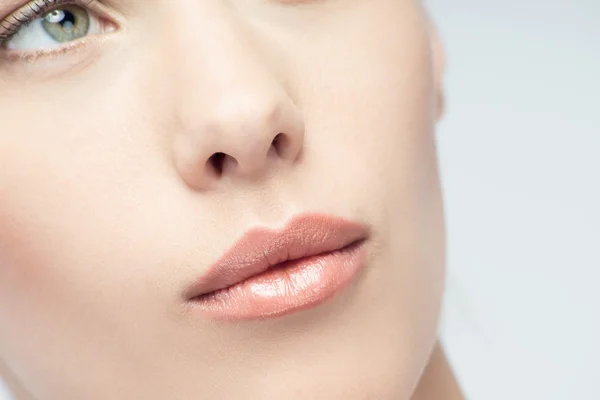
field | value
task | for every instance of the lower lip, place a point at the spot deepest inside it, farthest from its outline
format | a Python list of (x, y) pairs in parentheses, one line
[(286, 288)]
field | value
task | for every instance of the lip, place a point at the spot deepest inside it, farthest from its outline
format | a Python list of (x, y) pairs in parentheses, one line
[(269, 273)]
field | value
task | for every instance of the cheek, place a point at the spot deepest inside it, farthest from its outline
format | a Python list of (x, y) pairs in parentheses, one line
[(69, 207), (70, 176), (368, 102), (77, 216), (370, 111), (44, 211), (378, 149)]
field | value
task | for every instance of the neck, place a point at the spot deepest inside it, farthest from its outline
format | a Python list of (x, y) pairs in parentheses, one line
[(16, 389), (438, 381)]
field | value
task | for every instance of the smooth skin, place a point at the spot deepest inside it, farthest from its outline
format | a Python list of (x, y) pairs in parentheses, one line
[(132, 159)]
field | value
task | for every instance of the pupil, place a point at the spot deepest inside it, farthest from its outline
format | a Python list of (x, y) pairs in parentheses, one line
[(68, 20)]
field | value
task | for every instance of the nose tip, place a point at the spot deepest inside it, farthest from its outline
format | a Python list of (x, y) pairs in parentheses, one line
[(243, 137)]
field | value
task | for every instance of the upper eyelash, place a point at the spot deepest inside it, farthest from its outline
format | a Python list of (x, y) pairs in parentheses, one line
[(29, 13)]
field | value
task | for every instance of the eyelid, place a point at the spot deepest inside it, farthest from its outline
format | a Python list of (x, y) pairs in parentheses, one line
[(34, 9)]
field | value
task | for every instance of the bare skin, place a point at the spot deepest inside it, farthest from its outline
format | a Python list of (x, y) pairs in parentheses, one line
[(436, 383), (135, 155)]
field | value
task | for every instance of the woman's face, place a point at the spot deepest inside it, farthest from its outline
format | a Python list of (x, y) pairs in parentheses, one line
[(132, 159)]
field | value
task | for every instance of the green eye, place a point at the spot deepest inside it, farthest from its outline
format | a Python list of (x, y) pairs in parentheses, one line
[(43, 24), (67, 23)]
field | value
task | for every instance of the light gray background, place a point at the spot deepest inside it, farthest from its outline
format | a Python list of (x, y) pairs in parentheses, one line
[(519, 151), (520, 160)]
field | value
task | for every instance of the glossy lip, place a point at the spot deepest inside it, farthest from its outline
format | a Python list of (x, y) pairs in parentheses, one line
[(274, 272)]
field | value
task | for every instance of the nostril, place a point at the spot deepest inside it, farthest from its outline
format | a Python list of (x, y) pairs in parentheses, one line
[(217, 161), (279, 143), (220, 163)]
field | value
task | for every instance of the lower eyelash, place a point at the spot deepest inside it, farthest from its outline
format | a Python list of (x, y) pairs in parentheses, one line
[(34, 56)]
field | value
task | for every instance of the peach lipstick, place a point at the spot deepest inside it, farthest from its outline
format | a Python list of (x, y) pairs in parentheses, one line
[(269, 273)]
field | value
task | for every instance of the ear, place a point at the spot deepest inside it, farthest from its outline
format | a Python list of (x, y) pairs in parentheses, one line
[(439, 67)]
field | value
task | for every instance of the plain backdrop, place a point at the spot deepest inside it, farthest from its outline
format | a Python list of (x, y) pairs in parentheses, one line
[(520, 159)]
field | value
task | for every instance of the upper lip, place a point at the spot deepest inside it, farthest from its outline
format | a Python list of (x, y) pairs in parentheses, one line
[(260, 249)]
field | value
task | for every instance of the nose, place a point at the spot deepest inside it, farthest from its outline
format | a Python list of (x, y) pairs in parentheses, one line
[(242, 136), (235, 117)]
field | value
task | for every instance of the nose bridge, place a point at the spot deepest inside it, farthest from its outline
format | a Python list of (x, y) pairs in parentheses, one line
[(230, 106), (222, 70)]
